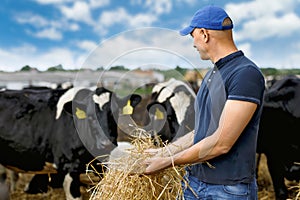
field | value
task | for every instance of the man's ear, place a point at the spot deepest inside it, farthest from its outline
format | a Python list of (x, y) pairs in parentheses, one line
[(205, 34)]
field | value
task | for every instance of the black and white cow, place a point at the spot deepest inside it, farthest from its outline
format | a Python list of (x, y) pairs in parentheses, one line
[(279, 133), (64, 127), (171, 109)]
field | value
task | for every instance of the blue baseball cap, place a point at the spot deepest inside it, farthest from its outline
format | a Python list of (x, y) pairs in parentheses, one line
[(209, 17)]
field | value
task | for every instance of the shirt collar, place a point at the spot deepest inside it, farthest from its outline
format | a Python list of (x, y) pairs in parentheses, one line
[(220, 63)]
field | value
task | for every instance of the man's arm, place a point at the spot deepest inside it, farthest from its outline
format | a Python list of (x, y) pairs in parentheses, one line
[(234, 118), (171, 149)]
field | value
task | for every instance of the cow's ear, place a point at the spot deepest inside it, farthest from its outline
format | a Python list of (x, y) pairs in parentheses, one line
[(79, 103), (154, 95), (101, 90), (129, 102), (68, 107), (135, 99)]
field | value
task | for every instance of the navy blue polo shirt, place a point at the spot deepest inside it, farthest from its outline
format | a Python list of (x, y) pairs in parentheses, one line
[(233, 77)]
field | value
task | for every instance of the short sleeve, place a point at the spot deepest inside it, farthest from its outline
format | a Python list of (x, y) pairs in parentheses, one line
[(246, 84)]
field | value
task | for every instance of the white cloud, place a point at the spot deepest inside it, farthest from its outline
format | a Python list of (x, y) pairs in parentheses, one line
[(162, 6), (92, 3), (120, 16), (24, 49), (154, 6), (159, 7), (261, 19), (49, 33), (44, 28), (110, 49), (141, 20), (281, 62), (292, 59), (246, 48), (80, 11), (32, 19), (136, 2), (72, 26), (269, 26), (98, 3), (253, 10), (108, 18), (52, 1), (86, 45), (190, 2), (141, 47), (297, 46), (287, 58), (56, 56), (15, 58)]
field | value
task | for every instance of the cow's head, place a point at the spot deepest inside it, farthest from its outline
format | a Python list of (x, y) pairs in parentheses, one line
[(171, 109), (95, 115)]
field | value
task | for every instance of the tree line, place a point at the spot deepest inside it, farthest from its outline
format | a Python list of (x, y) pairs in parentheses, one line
[(173, 72)]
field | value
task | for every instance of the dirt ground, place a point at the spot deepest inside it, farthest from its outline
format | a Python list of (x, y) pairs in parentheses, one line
[(264, 183), (52, 194)]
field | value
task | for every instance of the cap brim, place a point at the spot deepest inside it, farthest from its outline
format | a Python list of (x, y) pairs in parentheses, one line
[(186, 30)]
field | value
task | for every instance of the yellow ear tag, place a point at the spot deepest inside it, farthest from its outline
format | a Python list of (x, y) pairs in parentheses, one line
[(158, 114), (80, 114), (128, 109)]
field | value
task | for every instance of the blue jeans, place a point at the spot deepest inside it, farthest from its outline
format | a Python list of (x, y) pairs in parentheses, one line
[(206, 191)]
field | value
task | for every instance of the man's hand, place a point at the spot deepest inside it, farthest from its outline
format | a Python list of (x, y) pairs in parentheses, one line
[(154, 152), (163, 157), (156, 164), (159, 152)]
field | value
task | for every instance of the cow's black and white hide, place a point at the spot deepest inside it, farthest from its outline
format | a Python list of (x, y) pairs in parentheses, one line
[(279, 136), (65, 127), (171, 110)]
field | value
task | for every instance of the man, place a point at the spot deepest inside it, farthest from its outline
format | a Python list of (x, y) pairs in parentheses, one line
[(221, 149)]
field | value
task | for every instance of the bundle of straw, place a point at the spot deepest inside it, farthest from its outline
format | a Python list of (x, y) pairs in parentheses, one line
[(123, 178)]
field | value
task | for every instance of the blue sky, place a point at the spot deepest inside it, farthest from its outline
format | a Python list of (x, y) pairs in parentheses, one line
[(45, 33)]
